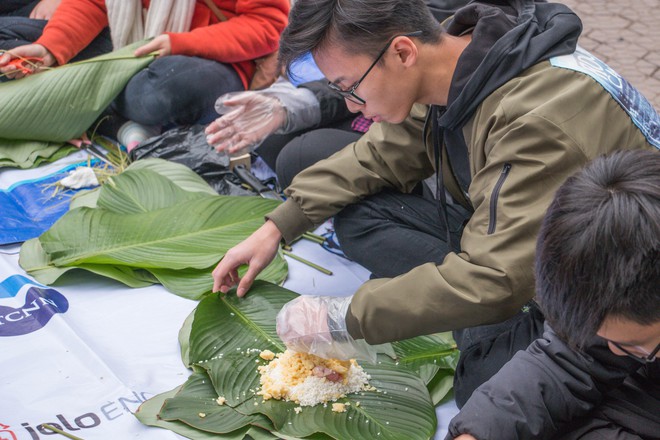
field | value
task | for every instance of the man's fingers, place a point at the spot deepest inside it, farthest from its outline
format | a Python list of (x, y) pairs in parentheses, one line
[(146, 49), (241, 145), (247, 280)]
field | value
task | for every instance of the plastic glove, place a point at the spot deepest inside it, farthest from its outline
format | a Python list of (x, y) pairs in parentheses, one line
[(317, 325), (247, 119)]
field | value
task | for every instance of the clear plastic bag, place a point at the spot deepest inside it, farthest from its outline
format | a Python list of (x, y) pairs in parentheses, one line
[(317, 325)]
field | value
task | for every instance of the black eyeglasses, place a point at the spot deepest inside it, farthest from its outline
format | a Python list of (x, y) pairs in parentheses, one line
[(644, 360), (350, 93)]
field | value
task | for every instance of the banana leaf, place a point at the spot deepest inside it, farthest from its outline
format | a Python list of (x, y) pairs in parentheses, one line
[(221, 342), (28, 154), (40, 112), (179, 174), (145, 228)]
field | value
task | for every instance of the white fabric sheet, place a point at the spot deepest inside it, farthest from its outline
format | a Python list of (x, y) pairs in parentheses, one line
[(106, 347)]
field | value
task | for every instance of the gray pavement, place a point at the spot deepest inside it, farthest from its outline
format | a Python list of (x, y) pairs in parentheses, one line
[(626, 35)]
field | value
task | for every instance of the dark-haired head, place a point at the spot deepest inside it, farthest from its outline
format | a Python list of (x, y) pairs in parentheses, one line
[(598, 253), (358, 26)]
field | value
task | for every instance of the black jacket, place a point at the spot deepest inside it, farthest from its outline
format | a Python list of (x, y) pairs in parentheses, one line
[(550, 391)]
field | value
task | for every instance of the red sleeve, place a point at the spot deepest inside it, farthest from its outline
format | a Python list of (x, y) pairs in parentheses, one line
[(253, 30), (72, 27)]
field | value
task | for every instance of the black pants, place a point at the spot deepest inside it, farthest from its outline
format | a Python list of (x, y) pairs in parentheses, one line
[(173, 90), (17, 8), (485, 349), (289, 154)]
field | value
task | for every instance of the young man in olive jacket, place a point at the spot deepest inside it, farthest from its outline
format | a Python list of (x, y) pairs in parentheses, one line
[(502, 108), (595, 372)]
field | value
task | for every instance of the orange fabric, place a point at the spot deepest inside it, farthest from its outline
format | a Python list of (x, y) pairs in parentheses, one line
[(253, 30)]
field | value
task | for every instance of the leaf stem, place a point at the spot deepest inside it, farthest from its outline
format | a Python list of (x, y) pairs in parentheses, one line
[(309, 263), (313, 237), (59, 431)]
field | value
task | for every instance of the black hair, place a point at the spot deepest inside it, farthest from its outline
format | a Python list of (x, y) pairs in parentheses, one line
[(598, 251), (360, 26)]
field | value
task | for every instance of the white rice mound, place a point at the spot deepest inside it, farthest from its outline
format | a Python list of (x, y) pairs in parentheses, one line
[(289, 377)]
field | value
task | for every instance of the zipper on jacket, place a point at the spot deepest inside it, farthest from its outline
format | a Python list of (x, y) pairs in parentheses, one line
[(494, 196)]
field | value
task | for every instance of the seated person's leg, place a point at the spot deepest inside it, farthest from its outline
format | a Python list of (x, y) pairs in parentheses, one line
[(178, 90), (486, 348), (17, 31), (390, 233), (17, 8), (309, 148)]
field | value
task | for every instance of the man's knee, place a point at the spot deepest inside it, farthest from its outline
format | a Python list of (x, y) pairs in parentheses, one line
[(287, 164)]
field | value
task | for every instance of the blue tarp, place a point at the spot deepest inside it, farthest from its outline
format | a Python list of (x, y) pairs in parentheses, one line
[(30, 207)]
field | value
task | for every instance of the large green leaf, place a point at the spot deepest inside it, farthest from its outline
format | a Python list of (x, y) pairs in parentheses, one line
[(143, 220), (437, 349), (147, 413), (61, 103), (28, 154), (195, 405), (433, 358), (40, 112), (35, 261), (179, 174), (194, 233), (229, 332), (226, 337)]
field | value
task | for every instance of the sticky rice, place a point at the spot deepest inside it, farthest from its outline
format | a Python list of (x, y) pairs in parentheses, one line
[(294, 377)]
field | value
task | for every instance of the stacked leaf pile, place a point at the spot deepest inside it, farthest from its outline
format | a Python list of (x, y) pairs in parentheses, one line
[(156, 222), (39, 113), (221, 341)]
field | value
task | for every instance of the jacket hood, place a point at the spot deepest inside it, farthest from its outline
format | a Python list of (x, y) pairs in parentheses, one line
[(508, 36)]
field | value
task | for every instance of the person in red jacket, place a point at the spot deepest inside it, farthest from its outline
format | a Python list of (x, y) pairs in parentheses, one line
[(204, 49)]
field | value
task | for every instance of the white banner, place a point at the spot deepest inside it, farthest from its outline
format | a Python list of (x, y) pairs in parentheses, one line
[(84, 354)]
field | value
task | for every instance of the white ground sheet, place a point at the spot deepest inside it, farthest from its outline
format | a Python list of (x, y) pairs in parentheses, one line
[(109, 347)]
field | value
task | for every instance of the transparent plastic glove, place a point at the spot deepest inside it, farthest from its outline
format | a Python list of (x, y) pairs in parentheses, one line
[(317, 325), (247, 119)]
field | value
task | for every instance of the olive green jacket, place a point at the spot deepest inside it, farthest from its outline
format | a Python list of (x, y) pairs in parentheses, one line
[(524, 140)]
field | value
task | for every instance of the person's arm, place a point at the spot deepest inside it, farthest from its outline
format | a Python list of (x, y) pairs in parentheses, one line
[(249, 117), (72, 27), (251, 31), (541, 390)]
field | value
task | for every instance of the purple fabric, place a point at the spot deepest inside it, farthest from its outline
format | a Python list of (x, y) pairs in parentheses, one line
[(361, 124)]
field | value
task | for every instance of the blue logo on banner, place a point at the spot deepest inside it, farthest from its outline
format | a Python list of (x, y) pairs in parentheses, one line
[(41, 304), (634, 103)]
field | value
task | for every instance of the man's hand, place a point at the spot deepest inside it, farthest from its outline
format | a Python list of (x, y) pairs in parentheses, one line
[(45, 9), (160, 44), (27, 51), (304, 325), (257, 251), (248, 118)]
